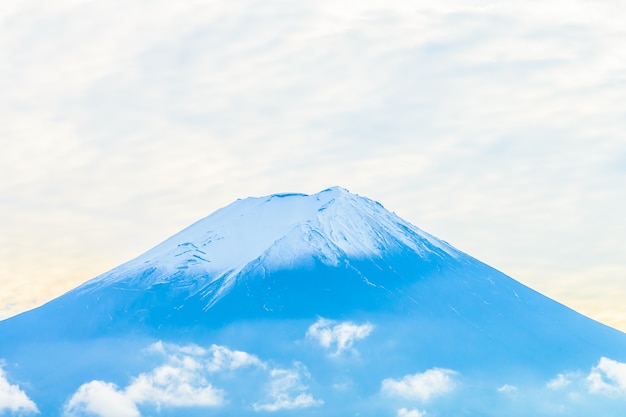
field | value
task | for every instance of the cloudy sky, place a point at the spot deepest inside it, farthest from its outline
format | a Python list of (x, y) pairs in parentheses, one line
[(499, 126)]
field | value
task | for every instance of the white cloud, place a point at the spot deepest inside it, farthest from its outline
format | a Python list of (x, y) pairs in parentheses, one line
[(403, 412), (13, 399), (338, 336), (559, 382), (175, 386), (608, 377), (287, 391), (101, 399), (507, 388), (183, 381), (421, 386), (216, 358), (223, 358)]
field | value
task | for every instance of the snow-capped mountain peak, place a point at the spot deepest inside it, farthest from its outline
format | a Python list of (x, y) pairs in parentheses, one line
[(279, 230)]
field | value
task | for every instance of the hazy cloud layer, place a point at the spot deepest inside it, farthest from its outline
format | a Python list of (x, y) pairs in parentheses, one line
[(124, 121), (13, 399), (338, 336)]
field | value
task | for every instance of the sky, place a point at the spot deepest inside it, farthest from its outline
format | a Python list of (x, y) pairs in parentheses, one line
[(498, 126)]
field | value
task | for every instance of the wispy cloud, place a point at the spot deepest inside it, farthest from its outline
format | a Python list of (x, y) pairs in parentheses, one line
[(606, 379), (287, 390), (404, 412), (421, 386), (13, 399), (338, 336), (216, 358), (506, 388), (559, 382)]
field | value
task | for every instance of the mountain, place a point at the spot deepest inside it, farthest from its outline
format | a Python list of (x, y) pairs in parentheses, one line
[(294, 304)]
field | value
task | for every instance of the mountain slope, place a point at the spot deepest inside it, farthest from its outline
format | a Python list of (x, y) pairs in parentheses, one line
[(270, 276)]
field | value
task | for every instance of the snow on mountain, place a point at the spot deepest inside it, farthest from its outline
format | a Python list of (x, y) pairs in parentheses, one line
[(281, 230)]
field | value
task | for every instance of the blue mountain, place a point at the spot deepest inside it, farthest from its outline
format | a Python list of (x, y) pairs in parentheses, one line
[(308, 305)]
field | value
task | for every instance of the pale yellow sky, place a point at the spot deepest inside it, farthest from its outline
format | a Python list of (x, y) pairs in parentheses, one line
[(497, 126)]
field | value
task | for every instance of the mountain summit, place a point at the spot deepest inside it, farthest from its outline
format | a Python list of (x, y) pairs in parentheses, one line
[(274, 233), (329, 303)]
